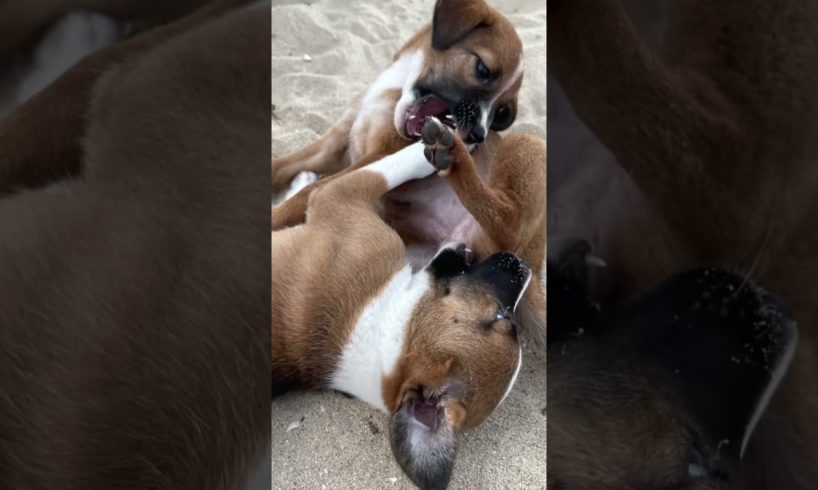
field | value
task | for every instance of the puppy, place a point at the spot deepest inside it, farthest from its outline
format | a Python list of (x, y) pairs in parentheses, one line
[(465, 69), (435, 349), (685, 371), (716, 138), (131, 354)]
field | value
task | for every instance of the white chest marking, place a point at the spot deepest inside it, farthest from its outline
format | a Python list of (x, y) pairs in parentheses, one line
[(377, 340), (396, 76), (400, 75)]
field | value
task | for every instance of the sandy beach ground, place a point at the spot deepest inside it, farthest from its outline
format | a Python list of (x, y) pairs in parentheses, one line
[(324, 53)]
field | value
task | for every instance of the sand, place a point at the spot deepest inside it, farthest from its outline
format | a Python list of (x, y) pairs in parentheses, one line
[(324, 53)]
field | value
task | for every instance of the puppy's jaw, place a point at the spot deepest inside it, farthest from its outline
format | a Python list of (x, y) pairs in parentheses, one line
[(481, 123)]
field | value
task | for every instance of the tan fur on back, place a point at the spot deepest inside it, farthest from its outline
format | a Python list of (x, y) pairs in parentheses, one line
[(135, 316)]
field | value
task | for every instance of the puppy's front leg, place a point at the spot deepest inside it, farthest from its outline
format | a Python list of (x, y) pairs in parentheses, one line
[(504, 207), (323, 156), (510, 208)]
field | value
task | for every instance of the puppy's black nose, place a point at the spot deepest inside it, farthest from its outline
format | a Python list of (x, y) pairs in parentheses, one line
[(478, 134)]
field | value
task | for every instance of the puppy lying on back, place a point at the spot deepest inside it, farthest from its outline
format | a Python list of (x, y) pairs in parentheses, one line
[(466, 69), (436, 349), (665, 392)]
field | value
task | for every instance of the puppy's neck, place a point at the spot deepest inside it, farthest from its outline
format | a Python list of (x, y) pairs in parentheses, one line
[(376, 343)]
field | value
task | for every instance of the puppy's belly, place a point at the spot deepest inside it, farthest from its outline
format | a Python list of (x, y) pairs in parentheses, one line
[(427, 215)]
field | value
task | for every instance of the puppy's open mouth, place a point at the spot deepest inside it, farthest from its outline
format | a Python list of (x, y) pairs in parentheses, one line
[(426, 106)]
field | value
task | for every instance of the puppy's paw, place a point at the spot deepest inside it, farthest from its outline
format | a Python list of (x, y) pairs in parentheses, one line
[(439, 140)]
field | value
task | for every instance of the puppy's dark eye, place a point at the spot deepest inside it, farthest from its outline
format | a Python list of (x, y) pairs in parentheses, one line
[(447, 291), (482, 71), (503, 117)]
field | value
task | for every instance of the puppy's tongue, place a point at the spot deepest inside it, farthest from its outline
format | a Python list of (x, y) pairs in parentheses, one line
[(431, 105)]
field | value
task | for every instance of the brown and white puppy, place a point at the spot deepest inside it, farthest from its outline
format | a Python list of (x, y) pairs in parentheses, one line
[(131, 354), (436, 349), (716, 136), (465, 69)]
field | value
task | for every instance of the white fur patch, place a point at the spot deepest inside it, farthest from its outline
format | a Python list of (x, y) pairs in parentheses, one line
[(485, 109), (400, 74), (514, 377), (775, 379), (407, 96), (70, 40), (398, 168), (302, 180), (522, 291), (377, 340)]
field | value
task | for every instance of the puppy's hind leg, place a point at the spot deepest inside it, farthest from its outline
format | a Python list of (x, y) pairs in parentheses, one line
[(324, 156), (293, 210), (362, 187)]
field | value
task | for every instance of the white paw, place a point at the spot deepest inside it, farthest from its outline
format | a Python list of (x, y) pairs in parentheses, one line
[(300, 181)]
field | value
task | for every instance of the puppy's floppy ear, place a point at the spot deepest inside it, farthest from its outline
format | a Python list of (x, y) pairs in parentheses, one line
[(423, 442), (507, 275), (453, 19), (450, 261)]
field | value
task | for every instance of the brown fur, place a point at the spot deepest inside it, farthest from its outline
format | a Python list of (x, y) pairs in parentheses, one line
[(640, 441), (312, 319), (718, 134), (445, 344), (134, 354)]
